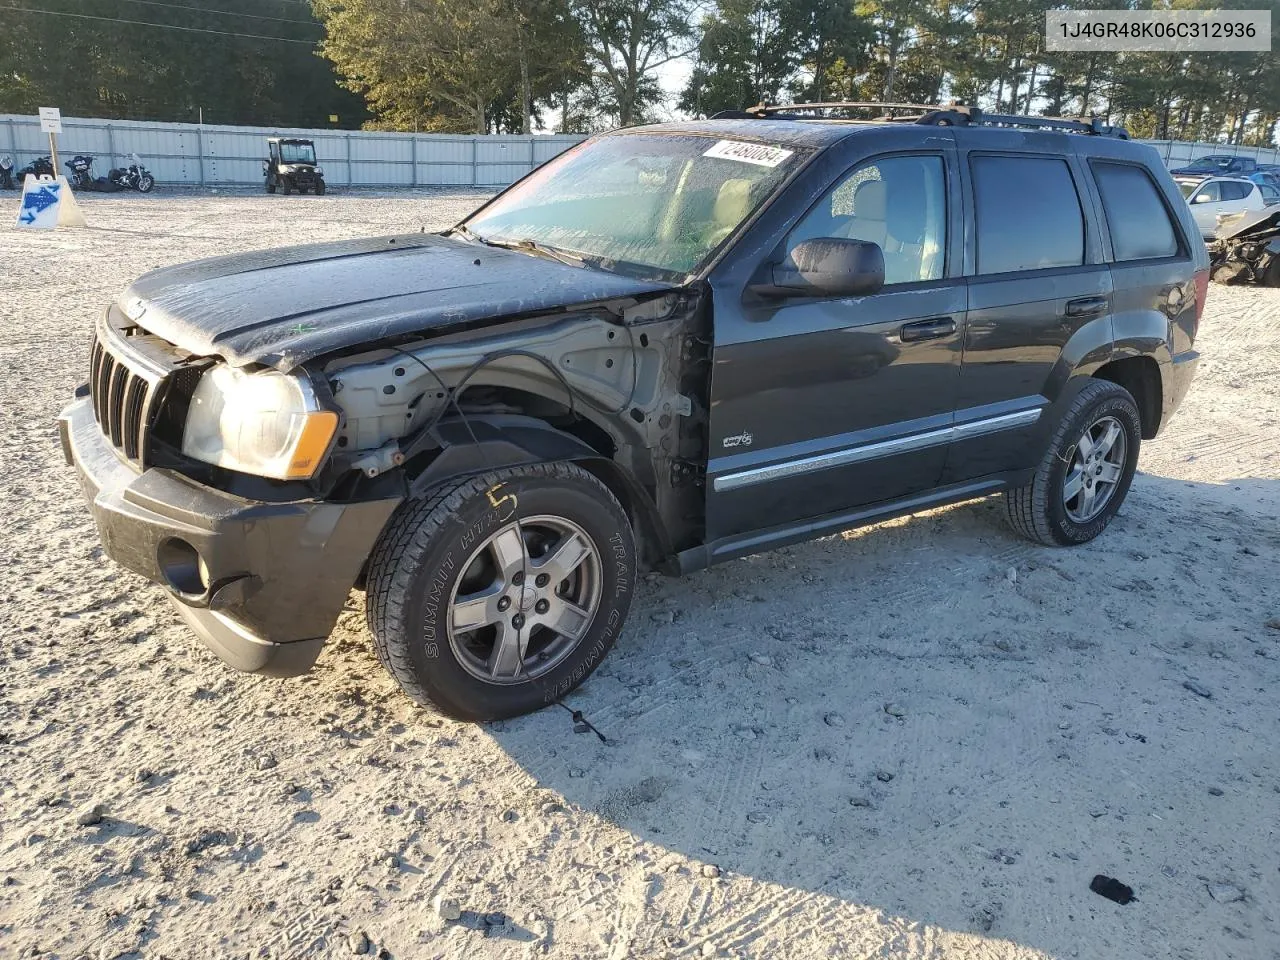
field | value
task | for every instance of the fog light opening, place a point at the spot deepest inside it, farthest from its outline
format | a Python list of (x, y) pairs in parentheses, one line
[(182, 566)]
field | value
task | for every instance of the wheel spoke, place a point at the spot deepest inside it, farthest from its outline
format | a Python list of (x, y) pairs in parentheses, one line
[(1084, 447), (1073, 485), (1085, 507), (1109, 437), (507, 659), (566, 558), (477, 609), (509, 552), (1110, 472), (570, 620)]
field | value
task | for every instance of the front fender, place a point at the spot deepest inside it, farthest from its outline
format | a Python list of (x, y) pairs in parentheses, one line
[(482, 443)]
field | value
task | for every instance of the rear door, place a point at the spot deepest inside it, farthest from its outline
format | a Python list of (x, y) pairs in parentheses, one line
[(1037, 277)]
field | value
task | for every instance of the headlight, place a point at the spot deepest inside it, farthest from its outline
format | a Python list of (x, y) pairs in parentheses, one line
[(319, 171), (268, 424)]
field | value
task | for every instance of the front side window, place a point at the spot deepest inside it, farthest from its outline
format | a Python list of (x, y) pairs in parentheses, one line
[(899, 203), (1028, 214), (1137, 217), (643, 204), (1209, 193)]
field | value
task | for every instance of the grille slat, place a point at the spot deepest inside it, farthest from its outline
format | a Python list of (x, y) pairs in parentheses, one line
[(125, 398)]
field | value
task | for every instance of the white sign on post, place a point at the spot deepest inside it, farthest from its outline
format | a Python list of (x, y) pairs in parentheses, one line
[(50, 120)]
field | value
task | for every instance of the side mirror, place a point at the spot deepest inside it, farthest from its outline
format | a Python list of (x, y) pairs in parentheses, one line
[(1201, 198), (827, 267)]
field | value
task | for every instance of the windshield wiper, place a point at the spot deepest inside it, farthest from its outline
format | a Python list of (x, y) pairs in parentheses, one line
[(527, 245)]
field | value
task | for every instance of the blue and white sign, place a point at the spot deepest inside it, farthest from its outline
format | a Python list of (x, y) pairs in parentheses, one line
[(48, 203)]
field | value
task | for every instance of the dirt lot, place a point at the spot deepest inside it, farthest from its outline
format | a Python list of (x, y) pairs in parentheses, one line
[(1111, 709)]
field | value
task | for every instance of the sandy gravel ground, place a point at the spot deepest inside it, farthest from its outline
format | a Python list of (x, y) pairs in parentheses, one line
[(756, 797)]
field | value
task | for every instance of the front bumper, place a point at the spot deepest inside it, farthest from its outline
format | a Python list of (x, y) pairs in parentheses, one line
[(261, 584)]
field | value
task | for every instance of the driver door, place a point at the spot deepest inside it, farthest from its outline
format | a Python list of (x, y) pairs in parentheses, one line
[(821, 406)]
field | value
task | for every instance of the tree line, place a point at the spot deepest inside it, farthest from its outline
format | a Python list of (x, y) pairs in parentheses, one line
[(511, 66), (232, 61), (497, 65)]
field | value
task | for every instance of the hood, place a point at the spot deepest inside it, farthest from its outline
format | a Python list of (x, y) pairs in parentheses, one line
[(284, 307), (1255, 221)]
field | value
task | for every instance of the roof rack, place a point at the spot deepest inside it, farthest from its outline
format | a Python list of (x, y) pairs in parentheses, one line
[(948, 115)]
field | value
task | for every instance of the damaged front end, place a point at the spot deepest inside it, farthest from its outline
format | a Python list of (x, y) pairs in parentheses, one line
[(1247, 249)]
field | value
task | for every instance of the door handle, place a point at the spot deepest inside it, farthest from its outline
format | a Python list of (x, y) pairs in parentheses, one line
[(930, 329), (1087, 306)]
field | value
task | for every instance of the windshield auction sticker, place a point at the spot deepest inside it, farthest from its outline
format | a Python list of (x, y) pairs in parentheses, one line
[(762, 155), (1157, 31)]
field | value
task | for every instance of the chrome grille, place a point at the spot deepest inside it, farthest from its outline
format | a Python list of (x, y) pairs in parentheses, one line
[(126, 394)]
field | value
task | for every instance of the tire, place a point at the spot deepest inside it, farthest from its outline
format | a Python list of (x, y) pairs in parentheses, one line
[(146, 183), (288, 186), (1044, 510), (319, 188), (451, 543)]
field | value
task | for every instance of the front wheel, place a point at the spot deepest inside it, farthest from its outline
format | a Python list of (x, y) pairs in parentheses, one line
[(1086, 472), (319, 188), (498, 595), (146, 182)]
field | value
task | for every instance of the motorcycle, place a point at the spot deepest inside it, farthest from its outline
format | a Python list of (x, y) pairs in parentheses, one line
[(39, 167), (6, 172), (134, 177), (82, 178)]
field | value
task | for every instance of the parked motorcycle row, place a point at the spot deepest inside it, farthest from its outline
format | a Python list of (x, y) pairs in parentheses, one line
[(133, 177)]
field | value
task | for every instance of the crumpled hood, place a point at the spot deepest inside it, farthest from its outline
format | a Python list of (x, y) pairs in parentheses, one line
[(286, 306)]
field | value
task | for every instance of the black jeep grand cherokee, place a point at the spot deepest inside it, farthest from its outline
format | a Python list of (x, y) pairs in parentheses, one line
[(670, 346)]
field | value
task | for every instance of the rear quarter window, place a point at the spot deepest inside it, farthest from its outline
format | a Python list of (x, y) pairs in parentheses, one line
[(1138, 219), (1028, 214)]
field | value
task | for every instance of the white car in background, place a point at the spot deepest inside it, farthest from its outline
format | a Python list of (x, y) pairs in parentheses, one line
[(1210, 197)]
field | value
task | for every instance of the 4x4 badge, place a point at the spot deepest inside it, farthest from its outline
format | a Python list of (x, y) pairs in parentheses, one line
[(743, 439)]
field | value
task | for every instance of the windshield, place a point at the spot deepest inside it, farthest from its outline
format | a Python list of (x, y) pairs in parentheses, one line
[(297, 153), (1208, 163), (639, 203)]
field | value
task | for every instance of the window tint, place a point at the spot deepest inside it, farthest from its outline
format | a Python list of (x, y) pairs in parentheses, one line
[(1269, 193), (1138, 219), (1236, 190), (899, 203), (1028, 214)]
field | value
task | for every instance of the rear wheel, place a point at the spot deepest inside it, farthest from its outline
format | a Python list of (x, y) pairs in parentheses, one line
[(1086, 472), (271, 185), (500, 594)]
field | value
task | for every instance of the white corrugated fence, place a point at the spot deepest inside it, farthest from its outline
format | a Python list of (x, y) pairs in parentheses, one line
[(204, 155)]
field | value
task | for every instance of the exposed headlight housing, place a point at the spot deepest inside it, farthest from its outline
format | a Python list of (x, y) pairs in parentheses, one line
[(319, 171), (269, 423)]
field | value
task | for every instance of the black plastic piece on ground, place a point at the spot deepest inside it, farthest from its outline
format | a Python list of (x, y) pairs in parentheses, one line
[(1112, 889)]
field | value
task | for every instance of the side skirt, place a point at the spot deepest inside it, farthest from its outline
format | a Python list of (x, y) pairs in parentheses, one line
[(758, 541)]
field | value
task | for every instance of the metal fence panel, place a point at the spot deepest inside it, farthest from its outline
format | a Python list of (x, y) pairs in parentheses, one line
[(213, 155)]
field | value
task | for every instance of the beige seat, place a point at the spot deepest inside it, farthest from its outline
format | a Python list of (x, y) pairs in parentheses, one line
[(733, 203), (887, 221)]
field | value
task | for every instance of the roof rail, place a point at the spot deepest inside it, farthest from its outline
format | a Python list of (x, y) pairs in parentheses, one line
[(947, 115)]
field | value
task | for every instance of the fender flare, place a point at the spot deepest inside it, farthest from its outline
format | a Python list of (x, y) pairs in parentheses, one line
[(490, 442)]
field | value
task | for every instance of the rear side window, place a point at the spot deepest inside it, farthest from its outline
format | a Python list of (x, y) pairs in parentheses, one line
[(1236, 189), (1028, 214), (1137, 217)]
